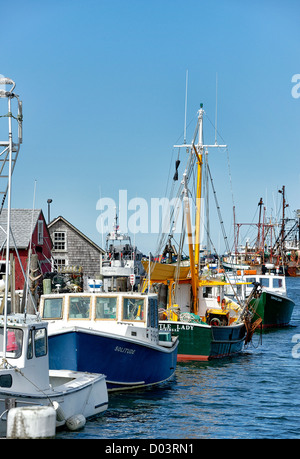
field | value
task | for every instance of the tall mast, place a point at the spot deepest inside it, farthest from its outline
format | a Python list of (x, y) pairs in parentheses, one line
[(8, 157), (284, 205), (259, 225), (190, 242), (234, 232), (199, 155), (194, 249)]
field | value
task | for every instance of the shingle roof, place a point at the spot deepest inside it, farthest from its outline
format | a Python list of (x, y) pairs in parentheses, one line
[(60, 218), (23, 222)]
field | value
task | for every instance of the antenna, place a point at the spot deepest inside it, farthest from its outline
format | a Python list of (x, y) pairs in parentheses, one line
[(216, 109), (185, 108)]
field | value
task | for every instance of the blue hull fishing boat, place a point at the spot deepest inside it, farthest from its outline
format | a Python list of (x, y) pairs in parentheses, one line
[(116, 334)]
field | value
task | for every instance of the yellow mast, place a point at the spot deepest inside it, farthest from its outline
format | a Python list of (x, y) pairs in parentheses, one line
[(196, 267), (194, 249), (199, 155), (190, 242)]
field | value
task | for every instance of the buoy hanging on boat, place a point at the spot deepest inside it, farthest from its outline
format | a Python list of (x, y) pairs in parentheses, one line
[(76, 422), (59, 412)]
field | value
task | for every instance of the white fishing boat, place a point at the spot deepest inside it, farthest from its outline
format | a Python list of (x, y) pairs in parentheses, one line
[(25, 378), (121, 266)]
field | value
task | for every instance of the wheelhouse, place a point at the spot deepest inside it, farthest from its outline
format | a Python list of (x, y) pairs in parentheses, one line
[(124, 307)]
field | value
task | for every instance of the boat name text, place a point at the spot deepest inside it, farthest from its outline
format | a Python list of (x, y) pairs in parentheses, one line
[(174, 328), (275, 298), (125, 350)]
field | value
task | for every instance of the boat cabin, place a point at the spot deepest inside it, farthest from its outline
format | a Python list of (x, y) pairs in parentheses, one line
[(26, 348), (272, 283), (211, 295), (103, 312), (100, 307), (244, 284), (212, 304)]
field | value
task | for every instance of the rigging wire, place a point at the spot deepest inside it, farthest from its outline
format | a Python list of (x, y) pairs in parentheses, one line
[(223, 231)]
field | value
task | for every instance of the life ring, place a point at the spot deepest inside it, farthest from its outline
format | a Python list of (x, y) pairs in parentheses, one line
[(215, 321)]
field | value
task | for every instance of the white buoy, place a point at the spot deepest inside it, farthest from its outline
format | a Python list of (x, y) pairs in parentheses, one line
[(60, 415), (31, 422), (76, 422)]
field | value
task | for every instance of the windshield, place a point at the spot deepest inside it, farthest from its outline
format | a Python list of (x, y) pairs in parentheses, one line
[(133, 309), (14, 342), (106, 308), (53, 308)]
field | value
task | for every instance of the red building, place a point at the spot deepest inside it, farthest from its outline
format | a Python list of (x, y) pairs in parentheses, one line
[(27, 226)]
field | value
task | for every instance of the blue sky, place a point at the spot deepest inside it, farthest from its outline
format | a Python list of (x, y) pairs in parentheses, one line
[(103, 89)]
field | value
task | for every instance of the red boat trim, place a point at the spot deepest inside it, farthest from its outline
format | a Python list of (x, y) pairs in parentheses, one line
[(185, 357), (202, 358)]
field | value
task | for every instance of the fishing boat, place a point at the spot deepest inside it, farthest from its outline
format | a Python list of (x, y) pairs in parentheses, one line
[(121, 267), (234, 262), (113, 333), (210, 331), (274, 247), (25, 378), (270, 303), (248, 256), (196, 311)]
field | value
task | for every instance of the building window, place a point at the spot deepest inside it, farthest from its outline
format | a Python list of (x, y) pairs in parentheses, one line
[(60, 241), (40, 232), (59, 263)]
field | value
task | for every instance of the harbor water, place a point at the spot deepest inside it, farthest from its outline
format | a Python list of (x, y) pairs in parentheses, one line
[(253, 395)]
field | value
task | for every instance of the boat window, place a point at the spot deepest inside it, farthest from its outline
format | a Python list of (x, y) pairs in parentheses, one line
[(207, 292), (53, 308), (6, 380), (30, 346), (250, 279), (14, 342), (264, 282), (277, 283), (133, 309), (79, 307), (106, 307), (40, 342)]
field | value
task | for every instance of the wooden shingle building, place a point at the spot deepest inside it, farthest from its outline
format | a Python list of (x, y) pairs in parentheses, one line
[(71, 248)]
